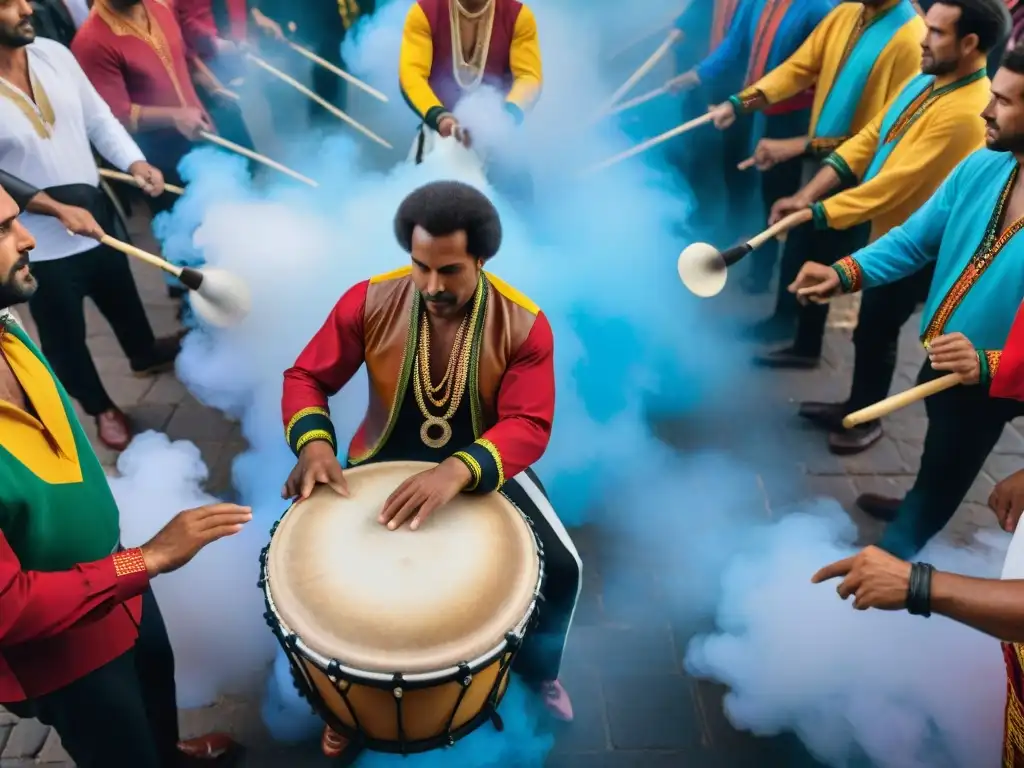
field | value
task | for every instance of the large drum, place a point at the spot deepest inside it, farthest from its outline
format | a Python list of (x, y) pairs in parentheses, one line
[(401, 640)]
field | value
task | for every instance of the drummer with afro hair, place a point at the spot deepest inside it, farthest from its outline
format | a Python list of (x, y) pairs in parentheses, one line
[(461, 370)]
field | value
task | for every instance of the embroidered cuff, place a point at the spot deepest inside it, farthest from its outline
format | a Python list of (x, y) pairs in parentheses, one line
[(988, 359), (134, 113), (434, 115), (484, 462), (820, 217), (746, 101), (851, 277), (516, 111), (822, 148), (836, 162), (308, 425), (128, 562)]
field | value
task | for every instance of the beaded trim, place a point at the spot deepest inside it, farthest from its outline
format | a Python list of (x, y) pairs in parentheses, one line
[(492, 449), (474, 467), (128, 562), (823, 147), (1013, 739), (920, 104), (746, 101), (990, 247), (851, 276), (989, 359), (301, 414), (314, 434)]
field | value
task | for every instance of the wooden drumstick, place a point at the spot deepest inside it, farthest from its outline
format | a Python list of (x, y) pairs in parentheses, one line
[(318, 99), (221, 297), (637, 101), (901, 400), (337, 70), (704, 270), (677, 131), (673, 37), (240, 150), (128, 178)]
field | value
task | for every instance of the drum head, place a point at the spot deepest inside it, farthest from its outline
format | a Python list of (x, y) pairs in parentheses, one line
[(401, 601)]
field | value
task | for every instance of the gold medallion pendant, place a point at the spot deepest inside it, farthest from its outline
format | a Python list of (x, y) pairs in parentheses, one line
[(441, 440)]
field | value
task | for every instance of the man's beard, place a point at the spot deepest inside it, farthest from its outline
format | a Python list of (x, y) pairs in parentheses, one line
[(939, 67), (18, 36), (1003, 142), (14, 290)]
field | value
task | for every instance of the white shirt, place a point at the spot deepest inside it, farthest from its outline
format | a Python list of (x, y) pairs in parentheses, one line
[(1013, 565), (61, 155), (79, 10)]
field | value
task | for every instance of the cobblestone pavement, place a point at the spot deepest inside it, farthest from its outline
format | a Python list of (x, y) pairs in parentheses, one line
[(635, 706)]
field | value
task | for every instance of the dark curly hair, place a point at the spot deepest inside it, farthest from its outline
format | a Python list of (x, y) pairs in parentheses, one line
[(446, 207)]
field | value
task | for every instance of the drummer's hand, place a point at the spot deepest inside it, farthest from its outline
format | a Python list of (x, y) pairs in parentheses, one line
[(317, 464), (771, 152), (723, 115), (954, 352), (873, 577), (423, 493), (815, 282), (784, 206)]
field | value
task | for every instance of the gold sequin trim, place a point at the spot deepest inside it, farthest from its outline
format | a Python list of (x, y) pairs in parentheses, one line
[(39, 112), (492, 449), (823, 147), (992, 358), (129, 562), (749, 98), (1013, 741), (983, 257), (302, 414), (313, 434), (850, 273), (474, 468)]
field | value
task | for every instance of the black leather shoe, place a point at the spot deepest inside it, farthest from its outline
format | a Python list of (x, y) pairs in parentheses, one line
[(772, 330), (884, 508), (825, 415), (787, 357), (847, 442)]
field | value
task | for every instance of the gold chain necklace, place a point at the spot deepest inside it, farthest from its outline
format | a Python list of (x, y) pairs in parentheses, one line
[(424, 361), (469, 74), (430, 421)]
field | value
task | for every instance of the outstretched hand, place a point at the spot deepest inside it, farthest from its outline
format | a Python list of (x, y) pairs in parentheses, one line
[(423, 493)]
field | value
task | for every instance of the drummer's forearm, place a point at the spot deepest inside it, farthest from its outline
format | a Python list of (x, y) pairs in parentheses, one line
[(415, 60)]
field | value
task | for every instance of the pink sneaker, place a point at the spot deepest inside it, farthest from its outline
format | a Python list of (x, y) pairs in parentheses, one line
[(557, 700)]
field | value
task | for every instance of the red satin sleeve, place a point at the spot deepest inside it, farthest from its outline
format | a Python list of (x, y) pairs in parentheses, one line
[(102, 64), (525, 409), (1008, 377), (35, 605), (327, 363)]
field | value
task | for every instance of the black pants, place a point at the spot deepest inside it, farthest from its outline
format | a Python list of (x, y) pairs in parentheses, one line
[(883, 311), (824, 246), (781, 181), (964, 424), (540, 658), (58, 309), (124, 713)]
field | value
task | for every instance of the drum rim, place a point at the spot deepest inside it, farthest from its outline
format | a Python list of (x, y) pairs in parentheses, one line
[(355, 674)]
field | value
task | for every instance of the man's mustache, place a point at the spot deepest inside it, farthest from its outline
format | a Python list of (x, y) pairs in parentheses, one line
[(21, 263), (440, 298)]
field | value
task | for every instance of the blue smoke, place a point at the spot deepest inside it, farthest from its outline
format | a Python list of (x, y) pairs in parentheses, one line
[(597, 253)]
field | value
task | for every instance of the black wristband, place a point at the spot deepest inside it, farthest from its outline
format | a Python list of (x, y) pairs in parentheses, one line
[(919, 590)]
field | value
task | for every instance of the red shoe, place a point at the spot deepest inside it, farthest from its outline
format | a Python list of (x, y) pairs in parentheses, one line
[(113, 429), (557, 701), (332, 743), (212, 746)]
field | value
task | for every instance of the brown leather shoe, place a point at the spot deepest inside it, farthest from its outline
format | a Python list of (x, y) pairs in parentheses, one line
[(787, 357), (161, 358), (884, 508), (847, 442), (825, 415), (113, 429)]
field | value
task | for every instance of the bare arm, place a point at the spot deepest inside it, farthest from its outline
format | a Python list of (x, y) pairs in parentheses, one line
[(992, 606)]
